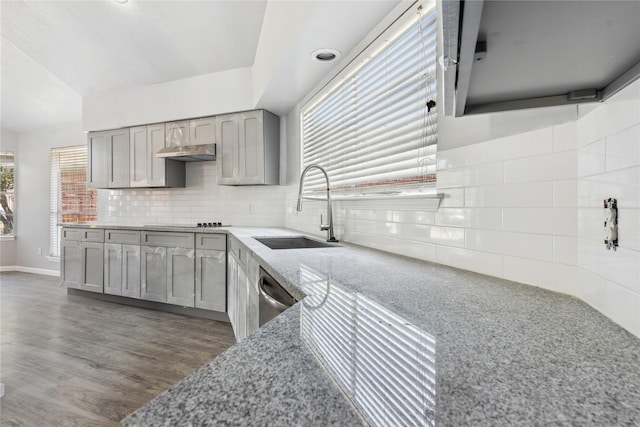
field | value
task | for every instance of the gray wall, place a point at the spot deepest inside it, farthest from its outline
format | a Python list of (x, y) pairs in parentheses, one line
[(8, 248), (32, 198)]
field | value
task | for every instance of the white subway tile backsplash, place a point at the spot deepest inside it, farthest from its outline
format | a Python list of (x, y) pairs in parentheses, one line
[(480, 218), (591, 159), (481, 262), (623, 185), (564, 137), (621, 266), (533, 246), (548, 275), (453, 197), (565, 193), (622, 150), (554, 166), (565, 250), (448, 236), (550, 221), (617, 113), (486, 174), (530, 194), (622, 306), (629, 228), (525, 144)]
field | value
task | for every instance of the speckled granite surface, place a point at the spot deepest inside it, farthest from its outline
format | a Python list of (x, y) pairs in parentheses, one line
[(506, 353), (269, 379)]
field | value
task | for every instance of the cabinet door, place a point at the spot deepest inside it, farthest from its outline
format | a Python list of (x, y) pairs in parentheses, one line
[(253, 296), (251, 147), (92, 266), (232, 291), (202, 131), (227, 139), (71, 263), (153, 273), (241, 307), (131, 271), (211, 284), (156, 175), (118, 158), (113, 268), (180, 276), (98, 152), (138, 156), (177, 133)]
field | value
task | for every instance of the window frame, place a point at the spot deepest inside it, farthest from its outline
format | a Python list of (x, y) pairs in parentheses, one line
[(395, 31), (56, 211), (11, 202)]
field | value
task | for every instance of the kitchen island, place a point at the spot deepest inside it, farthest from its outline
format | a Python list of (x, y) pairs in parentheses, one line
[(504, 353)]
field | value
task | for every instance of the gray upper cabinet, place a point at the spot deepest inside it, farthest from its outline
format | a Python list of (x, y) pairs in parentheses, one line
[(97, 146), (146, 169), (108, 159), (248, 148), (202, 131)]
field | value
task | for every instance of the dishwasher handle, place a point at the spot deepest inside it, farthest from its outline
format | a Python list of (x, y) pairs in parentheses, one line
[(274, 294), (270, 300)]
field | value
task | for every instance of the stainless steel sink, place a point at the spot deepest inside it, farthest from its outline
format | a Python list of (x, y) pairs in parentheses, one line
[(293, 242)]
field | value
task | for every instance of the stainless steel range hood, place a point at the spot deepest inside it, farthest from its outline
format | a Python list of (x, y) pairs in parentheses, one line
[(189, 153)]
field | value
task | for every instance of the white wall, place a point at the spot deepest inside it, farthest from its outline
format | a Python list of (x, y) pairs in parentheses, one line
[(9, 248), (32, 197), (198, 96), (609, 166), (525, 207)]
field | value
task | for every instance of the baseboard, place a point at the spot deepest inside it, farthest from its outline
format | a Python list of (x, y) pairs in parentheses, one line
[(194, 312), (33, 270)]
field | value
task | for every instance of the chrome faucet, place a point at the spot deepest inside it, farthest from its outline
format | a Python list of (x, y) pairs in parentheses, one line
[(328, 227)]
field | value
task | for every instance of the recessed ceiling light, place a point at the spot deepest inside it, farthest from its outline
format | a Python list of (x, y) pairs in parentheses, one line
[(325, 55), (121, 1)]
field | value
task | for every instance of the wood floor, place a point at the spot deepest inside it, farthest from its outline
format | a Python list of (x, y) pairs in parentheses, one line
[(68, 360)]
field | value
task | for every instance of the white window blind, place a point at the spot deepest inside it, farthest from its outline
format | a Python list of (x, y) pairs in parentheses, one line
[(375, 127), (71, 200)]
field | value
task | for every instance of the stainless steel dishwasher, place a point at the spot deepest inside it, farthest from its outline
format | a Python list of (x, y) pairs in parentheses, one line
[(274, 299)]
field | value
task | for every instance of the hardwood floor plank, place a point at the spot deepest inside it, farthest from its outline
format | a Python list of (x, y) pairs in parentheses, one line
[(69, 360)]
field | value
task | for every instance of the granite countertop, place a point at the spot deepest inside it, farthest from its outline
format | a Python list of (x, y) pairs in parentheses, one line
[(505, 353)]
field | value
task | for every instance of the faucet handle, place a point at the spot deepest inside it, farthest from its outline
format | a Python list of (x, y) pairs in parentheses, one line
[(323, 226)]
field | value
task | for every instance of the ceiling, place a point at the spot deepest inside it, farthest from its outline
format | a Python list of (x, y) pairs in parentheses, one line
[(54, 53)]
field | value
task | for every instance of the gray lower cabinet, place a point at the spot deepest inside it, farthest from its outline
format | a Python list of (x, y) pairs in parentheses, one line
[(242, 291), (153, 273), (180, 276), (92, 266), (122, 270), (166, 267), (70, 265), (82, 252), (211, 279)]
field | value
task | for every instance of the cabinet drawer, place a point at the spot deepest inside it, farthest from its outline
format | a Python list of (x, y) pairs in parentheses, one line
[(211, 241), (83, 234), (168, 239), (126, 237)]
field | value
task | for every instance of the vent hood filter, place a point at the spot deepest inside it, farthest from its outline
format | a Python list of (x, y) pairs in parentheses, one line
[(189, 153)]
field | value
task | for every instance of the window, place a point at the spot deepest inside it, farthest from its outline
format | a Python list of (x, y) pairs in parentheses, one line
[(7, 195), (375, 125), (71, 200)]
